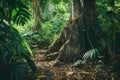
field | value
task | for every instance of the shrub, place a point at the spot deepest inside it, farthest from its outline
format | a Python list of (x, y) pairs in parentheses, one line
[(13, 54)]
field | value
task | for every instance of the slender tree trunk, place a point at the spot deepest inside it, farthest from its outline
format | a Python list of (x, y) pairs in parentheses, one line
[(37, 15), (80, 34)]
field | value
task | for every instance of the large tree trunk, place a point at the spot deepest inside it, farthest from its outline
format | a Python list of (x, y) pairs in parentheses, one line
[(80, 34)]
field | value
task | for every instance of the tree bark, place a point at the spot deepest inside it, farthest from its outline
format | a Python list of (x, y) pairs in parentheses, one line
[(80, 34), (37, 15)]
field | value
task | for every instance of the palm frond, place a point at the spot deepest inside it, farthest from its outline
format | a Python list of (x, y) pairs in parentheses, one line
[(91, 54), (13, 51)]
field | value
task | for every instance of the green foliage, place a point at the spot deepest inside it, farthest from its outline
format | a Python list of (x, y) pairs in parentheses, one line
[(99, 66), (55, 1), (90, 55), (13, 54), (15, 70), (43, 3), (78, 63), (58, 1), (15, 10), (108, 16), (51, 26), (109, 19), (20, 16), (87, 57)]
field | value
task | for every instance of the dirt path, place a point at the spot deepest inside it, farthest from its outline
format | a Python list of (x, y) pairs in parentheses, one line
[(46, 70)]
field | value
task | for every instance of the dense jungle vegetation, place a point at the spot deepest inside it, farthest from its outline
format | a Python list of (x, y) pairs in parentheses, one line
[(59, 39)]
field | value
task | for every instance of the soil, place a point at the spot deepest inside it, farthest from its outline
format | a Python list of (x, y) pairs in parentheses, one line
[(47, 70)]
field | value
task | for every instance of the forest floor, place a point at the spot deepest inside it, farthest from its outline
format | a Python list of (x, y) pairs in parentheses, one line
[(47, 71)]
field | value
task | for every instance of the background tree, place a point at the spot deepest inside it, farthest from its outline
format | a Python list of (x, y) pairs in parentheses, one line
[(108, 19), (37, 14)]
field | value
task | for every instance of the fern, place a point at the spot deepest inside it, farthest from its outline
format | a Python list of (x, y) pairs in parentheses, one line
[(91, 54)]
